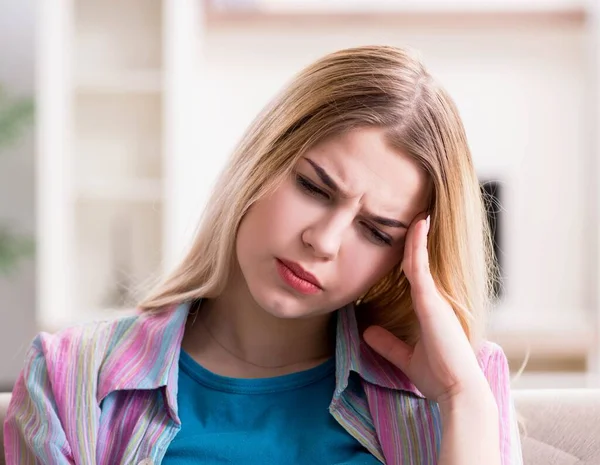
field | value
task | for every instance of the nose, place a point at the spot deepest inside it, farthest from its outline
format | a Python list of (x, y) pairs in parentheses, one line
[(325, 236)]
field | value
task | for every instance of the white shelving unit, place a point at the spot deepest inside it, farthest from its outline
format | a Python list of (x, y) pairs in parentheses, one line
[(111, 95)]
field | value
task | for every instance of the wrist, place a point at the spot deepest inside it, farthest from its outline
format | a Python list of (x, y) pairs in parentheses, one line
[(477, 400), (470, 429)]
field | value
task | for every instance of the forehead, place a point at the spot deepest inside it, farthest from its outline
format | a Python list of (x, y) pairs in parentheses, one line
[(365, 166)]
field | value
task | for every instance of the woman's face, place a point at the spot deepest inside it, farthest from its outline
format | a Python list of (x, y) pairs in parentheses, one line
[(333, 228)]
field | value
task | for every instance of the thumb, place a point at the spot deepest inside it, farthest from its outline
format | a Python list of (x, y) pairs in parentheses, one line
[(389, 346)]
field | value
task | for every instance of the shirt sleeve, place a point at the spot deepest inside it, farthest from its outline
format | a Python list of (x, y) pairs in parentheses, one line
[(498, 375), (33, 432)]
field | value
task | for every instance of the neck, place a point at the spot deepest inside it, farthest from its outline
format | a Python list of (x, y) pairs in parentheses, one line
[(233, 336)]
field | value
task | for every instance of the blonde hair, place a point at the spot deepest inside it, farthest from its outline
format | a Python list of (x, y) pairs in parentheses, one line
[(370, 86)]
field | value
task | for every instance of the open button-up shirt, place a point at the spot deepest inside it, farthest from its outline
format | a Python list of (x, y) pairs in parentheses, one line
[(106, 393)]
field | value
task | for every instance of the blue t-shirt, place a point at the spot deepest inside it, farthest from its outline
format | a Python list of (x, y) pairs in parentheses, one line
[(279, 420)]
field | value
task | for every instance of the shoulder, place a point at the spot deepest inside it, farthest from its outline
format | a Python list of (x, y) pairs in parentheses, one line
[(491, 357), (494, 364), (102, 338), (89, 342), (133, 352), (63, 367)]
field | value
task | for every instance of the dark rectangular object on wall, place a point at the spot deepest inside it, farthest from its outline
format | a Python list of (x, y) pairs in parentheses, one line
[(492, 194)]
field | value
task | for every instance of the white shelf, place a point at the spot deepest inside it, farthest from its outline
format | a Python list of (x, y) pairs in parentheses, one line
[(404, 6), (555, 380), (520, 331), (120, 82), (548, 343), (139, 190)]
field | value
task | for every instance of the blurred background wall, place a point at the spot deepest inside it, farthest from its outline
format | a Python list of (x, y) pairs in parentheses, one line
[(140, 103), (17, 188), (523, 84)]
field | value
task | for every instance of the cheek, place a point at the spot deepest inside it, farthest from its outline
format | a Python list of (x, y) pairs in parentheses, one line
[(274, 219), (287, 211), (253, 232), (366, 265)]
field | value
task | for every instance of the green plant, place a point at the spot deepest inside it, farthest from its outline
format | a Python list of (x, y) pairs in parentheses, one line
[(16, 115)]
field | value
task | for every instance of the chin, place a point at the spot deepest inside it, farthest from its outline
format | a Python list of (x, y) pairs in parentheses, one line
[(283, 306), (286, 308)]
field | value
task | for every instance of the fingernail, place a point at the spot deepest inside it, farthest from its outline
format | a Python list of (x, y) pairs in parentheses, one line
[(428, 222)]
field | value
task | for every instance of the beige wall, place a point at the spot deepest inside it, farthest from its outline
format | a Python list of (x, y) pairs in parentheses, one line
[(522, 94)]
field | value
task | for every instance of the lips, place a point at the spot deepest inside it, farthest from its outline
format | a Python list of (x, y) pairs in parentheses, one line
[(301, 272)]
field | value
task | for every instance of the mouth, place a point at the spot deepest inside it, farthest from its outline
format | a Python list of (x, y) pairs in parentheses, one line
[(297, 277)]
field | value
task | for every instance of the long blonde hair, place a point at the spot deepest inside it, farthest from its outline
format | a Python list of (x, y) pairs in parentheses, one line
[(370, 86)]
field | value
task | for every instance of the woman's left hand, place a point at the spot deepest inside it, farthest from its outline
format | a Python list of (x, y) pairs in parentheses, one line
[(442, 365)]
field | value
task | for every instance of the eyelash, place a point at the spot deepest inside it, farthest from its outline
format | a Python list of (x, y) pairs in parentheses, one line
[(311, 189)]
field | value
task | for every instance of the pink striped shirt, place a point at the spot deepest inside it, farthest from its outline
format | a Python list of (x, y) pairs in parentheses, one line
[(106, 393)]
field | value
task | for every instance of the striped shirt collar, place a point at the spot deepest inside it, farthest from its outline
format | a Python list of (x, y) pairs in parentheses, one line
[(161, 332), (354, 354)]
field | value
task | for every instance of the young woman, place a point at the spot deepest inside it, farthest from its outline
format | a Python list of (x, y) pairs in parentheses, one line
[(329, 310)]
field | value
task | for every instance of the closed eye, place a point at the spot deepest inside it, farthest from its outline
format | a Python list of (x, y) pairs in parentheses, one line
[(311, 188), (373, 234), (376, 235)]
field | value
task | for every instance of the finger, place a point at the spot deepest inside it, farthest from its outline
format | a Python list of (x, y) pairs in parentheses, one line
[(407, 259), (389, 346), (418, 272), (408, 252), (422, 282)]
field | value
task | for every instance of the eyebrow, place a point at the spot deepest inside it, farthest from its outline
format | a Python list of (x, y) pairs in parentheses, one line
[(329, 182)]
